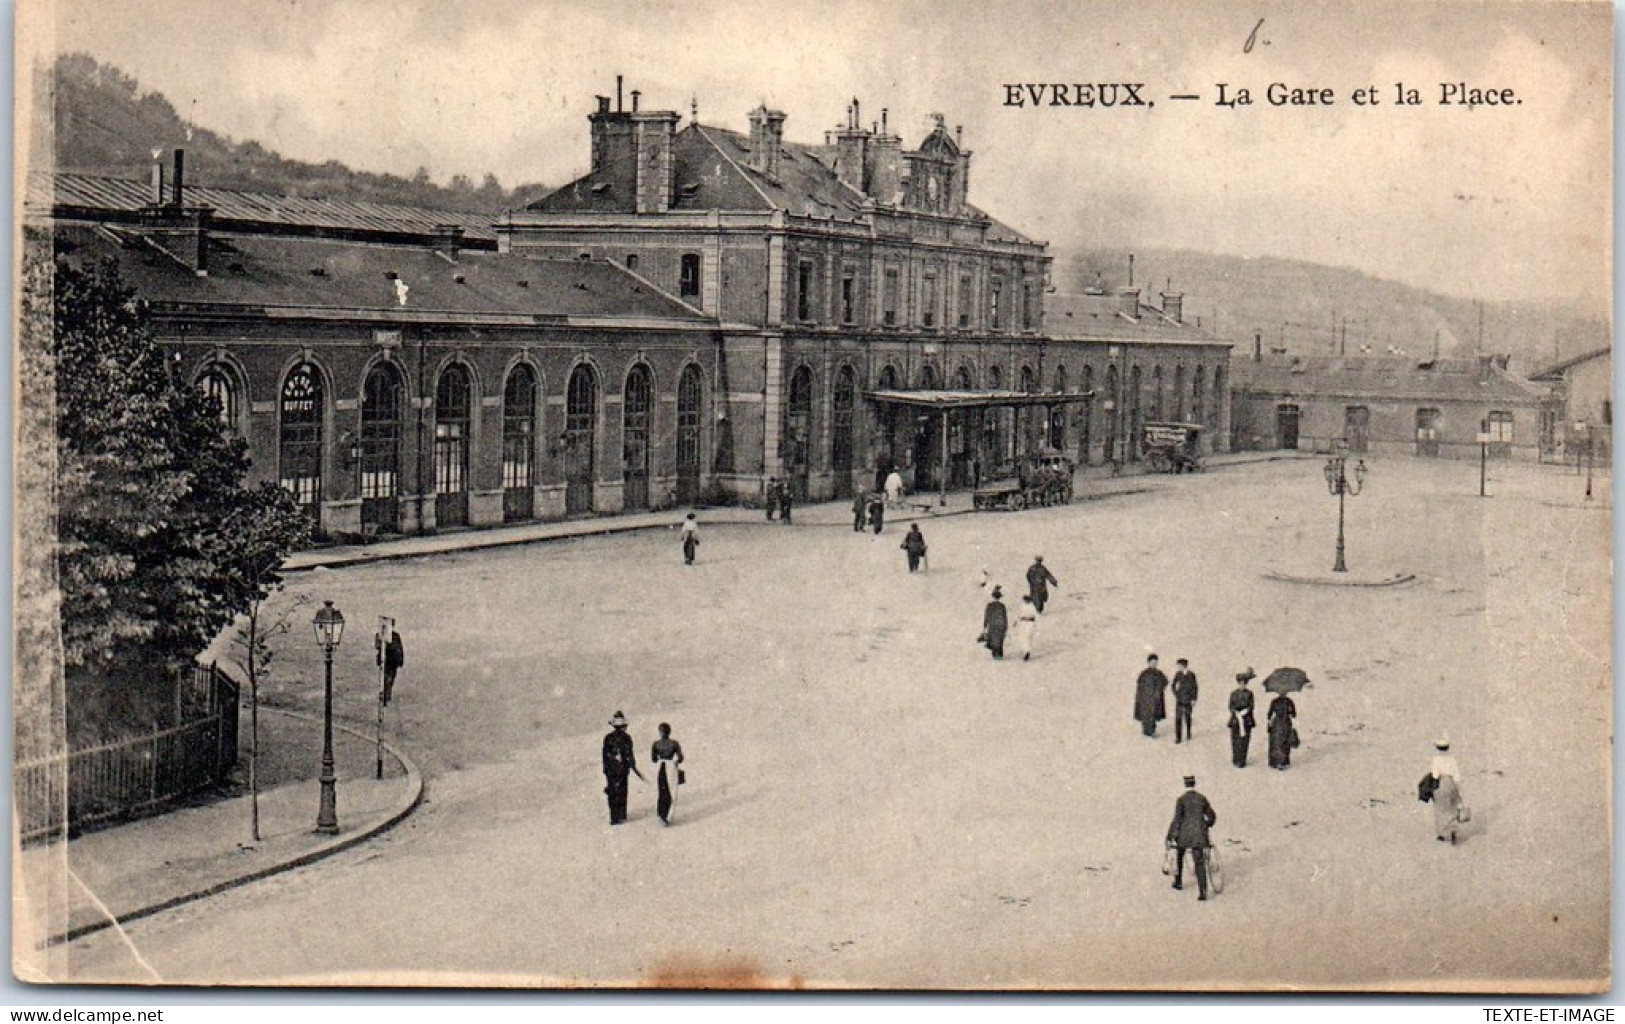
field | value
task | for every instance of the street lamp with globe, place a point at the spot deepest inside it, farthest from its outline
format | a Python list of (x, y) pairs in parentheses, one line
[(1339, 484), (329, 623)]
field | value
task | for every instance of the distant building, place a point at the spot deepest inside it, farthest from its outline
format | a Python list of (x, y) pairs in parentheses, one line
[(1581, 406), (1382, 405)]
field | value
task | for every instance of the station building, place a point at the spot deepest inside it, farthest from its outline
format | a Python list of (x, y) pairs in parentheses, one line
[(700, 312), (1434, 408)]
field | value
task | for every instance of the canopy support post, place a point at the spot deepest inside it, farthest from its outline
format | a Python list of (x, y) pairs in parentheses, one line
[(942, 480)]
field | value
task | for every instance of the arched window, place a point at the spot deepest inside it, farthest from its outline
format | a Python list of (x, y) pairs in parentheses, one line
[(453, 410), (690, 404), (637, 408), (1114, 417), (1198, 396), (381, 408), (519, 444), (798, 423), (1156, 393), (580, 438), (1135, 414), (1179, 392), (995, 378), (1218, 398), (928, 377), (888, 378), (220, 384), (962, 378), (1057, 414), (842, 425), (299, 454), (1086, 417)]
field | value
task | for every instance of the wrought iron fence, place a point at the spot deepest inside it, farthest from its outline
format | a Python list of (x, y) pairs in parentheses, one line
[(138, 774)]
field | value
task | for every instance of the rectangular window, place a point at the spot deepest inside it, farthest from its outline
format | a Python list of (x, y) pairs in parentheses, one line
[(631, 261), (688, 278), (1500, 428), (804, 287), (889, 316), (1026, 306), (964, 301), (928, 301), (849, 300), (993, 304)]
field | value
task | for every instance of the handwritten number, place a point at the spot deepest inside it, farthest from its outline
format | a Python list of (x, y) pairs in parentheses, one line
[(1252, 37)]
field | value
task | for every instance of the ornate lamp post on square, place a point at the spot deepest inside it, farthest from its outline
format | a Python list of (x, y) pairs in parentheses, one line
[(329, 623), (1339, 484)]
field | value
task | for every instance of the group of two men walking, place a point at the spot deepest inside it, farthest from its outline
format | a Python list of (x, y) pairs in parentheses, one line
[(1150, 707)]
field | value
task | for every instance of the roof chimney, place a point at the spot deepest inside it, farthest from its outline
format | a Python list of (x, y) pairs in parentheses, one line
[(1173, 306), (618, 94), (157, 176), (448, 240), (177, 195), (635, 94), (1129, 302), (766, 140)]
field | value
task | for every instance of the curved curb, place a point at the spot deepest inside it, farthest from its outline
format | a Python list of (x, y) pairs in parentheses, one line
[(1400, 580), (414, 779)]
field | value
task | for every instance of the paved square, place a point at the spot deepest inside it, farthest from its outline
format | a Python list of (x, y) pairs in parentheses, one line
[(873, 801)]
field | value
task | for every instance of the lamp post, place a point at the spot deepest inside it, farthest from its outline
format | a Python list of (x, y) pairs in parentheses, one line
[(1483, 456), (329, 623), (1339, 484)]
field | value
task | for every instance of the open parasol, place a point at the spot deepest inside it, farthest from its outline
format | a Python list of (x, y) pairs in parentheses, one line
[(1286, 680)]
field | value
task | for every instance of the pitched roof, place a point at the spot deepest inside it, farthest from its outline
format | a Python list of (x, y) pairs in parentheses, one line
[(1381, 377), (712, 171), (1554, 372), (88, 194), (313, 274), (1102, 318)]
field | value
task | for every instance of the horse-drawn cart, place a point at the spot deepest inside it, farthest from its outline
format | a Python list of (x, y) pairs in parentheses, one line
[(1172, 447), (1042, 479)]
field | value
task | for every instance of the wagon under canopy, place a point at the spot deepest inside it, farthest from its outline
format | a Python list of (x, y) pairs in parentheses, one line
[(1172, 447), (945, 401)]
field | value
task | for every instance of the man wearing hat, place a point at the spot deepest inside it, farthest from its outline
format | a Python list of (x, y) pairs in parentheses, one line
[(1038, 580), (618, 764), (1193, 816), (1184, 700), (1150, 706), (1241, 717)]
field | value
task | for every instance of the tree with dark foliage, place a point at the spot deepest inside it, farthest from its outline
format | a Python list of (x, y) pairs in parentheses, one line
[(159, 543)]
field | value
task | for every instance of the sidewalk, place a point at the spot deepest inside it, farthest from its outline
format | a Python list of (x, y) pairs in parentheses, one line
[(124, 872), (1095, 482)]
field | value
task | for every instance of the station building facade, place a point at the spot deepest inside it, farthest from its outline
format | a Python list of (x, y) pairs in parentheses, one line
[(398, 374), (861, 267)]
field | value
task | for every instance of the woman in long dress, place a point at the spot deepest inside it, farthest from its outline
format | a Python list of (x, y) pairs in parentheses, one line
[(995, 620), (667, 756), (1026, 626), (1282, 711), (1447, 794)]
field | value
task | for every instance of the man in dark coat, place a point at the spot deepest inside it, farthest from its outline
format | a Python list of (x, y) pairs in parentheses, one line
[(995, 622), (1193, 816), (860, 512), (391, 655), (1038, 581), (1241, 718), (877, 512), (784, 500), (1149, 704), (619, 762), (914, 544), (1184, 700)]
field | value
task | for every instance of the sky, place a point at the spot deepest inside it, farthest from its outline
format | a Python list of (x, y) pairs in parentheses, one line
[(1492, 202)]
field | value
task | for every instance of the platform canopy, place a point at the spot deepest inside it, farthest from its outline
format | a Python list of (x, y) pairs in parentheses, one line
[(974, 398)]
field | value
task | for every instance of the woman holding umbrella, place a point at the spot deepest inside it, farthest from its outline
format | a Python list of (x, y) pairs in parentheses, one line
[(1283, 735)]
